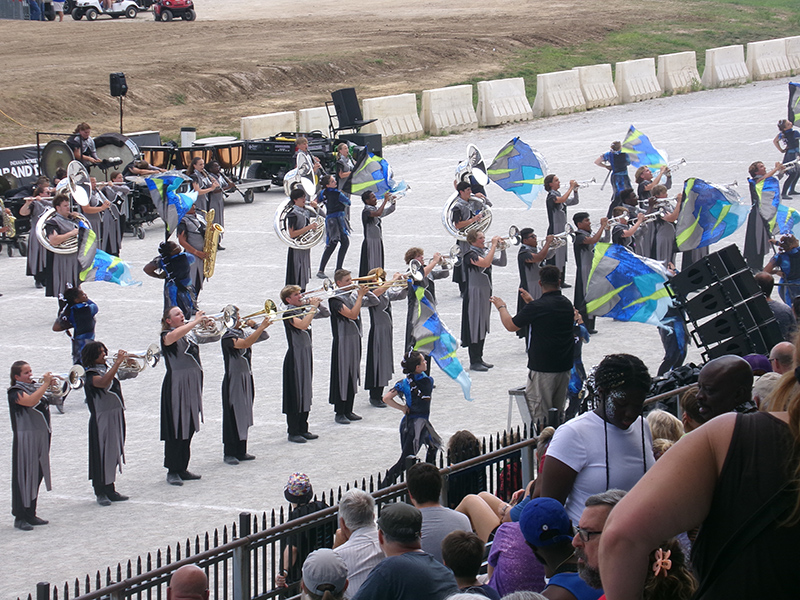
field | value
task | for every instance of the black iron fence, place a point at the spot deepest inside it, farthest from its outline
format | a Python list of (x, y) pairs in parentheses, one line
[(243, 560), (14, 9)]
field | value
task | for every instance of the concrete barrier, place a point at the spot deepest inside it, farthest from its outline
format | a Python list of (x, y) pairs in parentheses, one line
[(558, 93), (397, 117), (447, 110), (793, 53), (767, 59), (263, 126), (677, 72), (725, 66), (502, 101), (636, 80), (313, 119), (597, 85)]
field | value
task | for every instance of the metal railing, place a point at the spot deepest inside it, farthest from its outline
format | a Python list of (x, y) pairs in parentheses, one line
[(243, 560), (15, 9)]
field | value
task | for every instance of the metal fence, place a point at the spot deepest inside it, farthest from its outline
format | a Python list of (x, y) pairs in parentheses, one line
[(243, 560), (15, 9)]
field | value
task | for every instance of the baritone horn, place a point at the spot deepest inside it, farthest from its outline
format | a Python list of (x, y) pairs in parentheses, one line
[(135, 363), (560, 239), (512, 239)]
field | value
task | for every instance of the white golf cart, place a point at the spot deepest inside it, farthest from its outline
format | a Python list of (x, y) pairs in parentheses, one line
[(93, 9)]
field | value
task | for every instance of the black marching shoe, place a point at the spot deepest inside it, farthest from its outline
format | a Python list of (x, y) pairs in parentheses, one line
[(565, 286), (309, 436), (342, 420), (38, 521), (174, 479), (103, 500), (478, 367), (297, 439), (353, 416), (230, 460), (23, 525), (487, 365), (188, 475), (246, 457), (115, 496), (377, 403)]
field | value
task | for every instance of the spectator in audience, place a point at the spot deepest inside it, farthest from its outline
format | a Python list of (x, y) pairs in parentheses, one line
[(610, 447), (407, 572), (324, 576), (786, 388), (524, 596), (661, 445), (356, 540), (512, 565), (665, 425), (784, 314), (188, 583), (738, 476), (462, 553), (463, 446), (299, 493), (781, 357), (692, 419), (590, 527), (547, 530), (725, 385), (424, 487)]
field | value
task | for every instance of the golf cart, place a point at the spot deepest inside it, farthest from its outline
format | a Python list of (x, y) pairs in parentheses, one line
[(93, 9), (166, 10)]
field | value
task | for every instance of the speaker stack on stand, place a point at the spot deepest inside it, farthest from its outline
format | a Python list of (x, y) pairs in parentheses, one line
[(725, 307)]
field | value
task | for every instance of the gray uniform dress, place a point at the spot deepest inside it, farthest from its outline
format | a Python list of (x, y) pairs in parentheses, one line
[(37, 255), (556, 223), (111, 240), (346, 352), (380, 363), (106, 428), (195, 229), (584, 254), (237, 390), (664, 247), (30, 448), (460, 212), (476, 308), (63, 267), (430, 292), (203, 181), (372, 246), (216, 199), (298, 261), (96, 219), (298, 365)]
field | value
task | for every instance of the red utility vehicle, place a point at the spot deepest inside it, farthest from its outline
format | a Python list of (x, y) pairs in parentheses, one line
[(166, 10)]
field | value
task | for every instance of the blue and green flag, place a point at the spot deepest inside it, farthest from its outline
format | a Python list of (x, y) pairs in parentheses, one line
[(642, 152), (107, 267), (520, 169), (171, 204), (709, 213)]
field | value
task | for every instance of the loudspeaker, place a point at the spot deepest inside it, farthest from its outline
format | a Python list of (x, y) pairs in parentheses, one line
[(119, 87), (720, 328), (707, 271), (758, 341), (348, 112), (706, 303), (373, 140)]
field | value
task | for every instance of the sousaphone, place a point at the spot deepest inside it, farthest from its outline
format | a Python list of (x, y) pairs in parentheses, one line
[(79, 186), (301, 176)]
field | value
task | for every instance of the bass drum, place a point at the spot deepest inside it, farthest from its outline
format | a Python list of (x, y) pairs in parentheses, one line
[(113, 145), (55, 155)]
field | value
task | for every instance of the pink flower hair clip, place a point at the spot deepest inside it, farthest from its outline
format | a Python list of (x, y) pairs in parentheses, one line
[(662, 562)]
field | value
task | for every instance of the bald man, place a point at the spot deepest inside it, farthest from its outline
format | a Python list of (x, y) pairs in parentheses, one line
[(781, 357), (725, 385), (188, 583)]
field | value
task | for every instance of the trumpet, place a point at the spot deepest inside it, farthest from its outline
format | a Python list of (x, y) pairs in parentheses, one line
[(61, 385), (513, 239), (560, 239), (448, 261), (586, 183), (676, 165), (792, 164), (212, 327), (135, 363)]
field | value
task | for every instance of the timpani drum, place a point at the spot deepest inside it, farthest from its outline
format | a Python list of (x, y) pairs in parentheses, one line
[(158, 156)]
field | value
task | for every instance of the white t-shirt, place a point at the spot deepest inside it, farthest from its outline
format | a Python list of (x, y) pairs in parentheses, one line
[(580, 444)]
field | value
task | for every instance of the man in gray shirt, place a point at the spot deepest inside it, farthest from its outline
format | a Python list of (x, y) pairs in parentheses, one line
[(424, 488)]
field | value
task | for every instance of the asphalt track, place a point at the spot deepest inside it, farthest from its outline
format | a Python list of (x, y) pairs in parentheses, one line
[(719, 132)]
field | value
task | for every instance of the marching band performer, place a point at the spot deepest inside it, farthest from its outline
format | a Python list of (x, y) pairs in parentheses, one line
[(62, 269), (79, 315), (476, 308), (238, 391), (346, 352), (337, 228), (298, 221), (34, 206), (646, 183), (192, 236), (664, 240), (113, 221), (344, 164), (302, 155), (372, 246), (623, 230), (380, 363), (82, 145), (202, 183), (529, 259), (584, 252), (462, 217), (30, 447), (429, 274), (788, 142), (106, 420), (787, 261), (98, 204), (175, 268), (617, 162), (216, 197), (298, 363), (557, 204), (181, 392), (756, 240)]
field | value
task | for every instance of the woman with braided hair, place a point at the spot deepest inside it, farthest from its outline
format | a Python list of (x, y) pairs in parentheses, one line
[(609, 447)]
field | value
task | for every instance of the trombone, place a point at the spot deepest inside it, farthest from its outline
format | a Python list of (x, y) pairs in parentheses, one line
[(513, 239)]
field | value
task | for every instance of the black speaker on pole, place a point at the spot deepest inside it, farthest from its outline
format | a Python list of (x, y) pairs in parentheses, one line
[(119, 87)]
